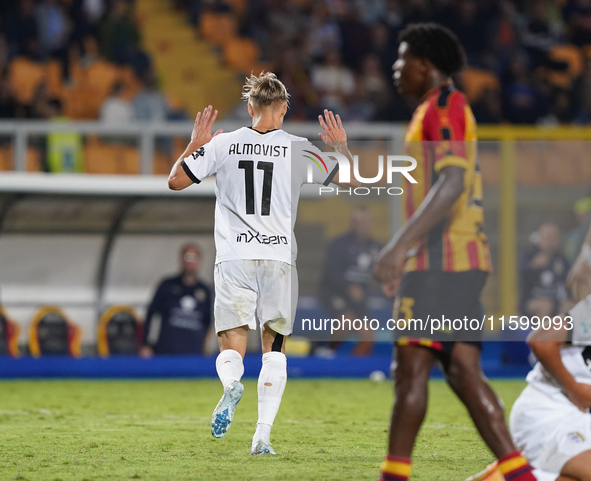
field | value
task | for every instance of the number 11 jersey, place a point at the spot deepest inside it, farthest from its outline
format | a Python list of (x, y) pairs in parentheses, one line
[(258, 181)]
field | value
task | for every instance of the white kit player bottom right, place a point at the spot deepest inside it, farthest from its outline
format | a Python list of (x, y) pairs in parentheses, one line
[(545, 424), (247, 291)]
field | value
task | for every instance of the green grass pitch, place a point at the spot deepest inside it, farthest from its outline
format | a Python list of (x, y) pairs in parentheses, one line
[(159, 430)]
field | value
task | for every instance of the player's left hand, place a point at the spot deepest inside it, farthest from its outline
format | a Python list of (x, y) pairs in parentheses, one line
[(201, 133), (579, 279), (334, 133), (390, 266)]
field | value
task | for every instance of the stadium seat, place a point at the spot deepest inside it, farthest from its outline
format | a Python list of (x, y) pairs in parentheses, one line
[(161, 164), (55, 84), (570, 55), (9, 334), (33, 160), (52, 333), (238, 6), (476, 81), (103, 158), (241, 53), (218, 28), (25, 76), (119, 332), (6, 153)]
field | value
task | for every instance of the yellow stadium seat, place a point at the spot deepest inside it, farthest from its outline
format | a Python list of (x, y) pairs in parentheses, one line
[(218, 28), (161, 164), (33, 160), (6, 153), (570, 55), (103, 158), (241, 53), (25, 77), (476, 81), (238, 6), (55, 85)]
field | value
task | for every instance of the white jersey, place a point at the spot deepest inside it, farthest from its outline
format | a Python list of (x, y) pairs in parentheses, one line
[(258, 181), (576, 354)]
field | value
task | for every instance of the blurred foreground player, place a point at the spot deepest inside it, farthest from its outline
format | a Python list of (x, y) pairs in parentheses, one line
[(183, 306), (437, 263), (258, 180), (551, 419)]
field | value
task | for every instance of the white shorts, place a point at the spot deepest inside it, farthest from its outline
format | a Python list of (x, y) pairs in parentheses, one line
[(251, 290), (549, 432)]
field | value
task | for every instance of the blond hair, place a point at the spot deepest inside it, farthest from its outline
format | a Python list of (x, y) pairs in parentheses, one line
[(264, 90)]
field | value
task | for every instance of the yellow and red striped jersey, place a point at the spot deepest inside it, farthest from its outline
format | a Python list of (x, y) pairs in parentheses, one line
[(442, 133)]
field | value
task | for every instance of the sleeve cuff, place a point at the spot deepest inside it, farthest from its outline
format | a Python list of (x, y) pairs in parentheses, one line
[(451, 160), (331, 175), (189, 173)]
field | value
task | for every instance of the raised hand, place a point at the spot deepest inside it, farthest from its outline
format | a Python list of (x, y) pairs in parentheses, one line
[(334, 134), (201, 133)]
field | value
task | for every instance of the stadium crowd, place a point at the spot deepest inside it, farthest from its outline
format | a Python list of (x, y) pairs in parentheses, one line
[(338, 54), (78, 52)]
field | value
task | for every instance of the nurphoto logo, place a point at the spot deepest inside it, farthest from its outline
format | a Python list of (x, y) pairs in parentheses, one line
[(401, 164)]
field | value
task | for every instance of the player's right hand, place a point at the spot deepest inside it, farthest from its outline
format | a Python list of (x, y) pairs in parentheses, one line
[(201, 133), (334, 133), (580, 396)]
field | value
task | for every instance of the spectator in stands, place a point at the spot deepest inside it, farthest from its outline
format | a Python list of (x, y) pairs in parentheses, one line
[(538, 34), (376, 87), (487, 109), (346, 276), (8, 106), (53, 28), (117, 31), (116, 108), (520, 97), (334, 82), (149, 104), (355, 35), (577, 14), (65, 151), (543, 274), (303, 100), (179, 315), (324, 34), (21, 27), (472, 28)]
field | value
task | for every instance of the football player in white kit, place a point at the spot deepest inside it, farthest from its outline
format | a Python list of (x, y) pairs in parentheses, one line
[(551, 420), (258, 179)]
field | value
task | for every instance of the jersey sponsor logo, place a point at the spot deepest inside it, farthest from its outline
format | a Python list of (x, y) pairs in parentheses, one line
[(200, 152), (249, 236), (576, 437)]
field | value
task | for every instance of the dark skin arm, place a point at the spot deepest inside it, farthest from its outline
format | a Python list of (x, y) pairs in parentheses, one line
[(434, 208), (546, 347)]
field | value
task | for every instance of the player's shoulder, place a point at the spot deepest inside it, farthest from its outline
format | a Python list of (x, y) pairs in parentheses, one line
[(447, 97), (225, 137)]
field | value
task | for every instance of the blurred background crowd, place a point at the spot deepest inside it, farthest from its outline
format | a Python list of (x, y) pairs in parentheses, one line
[(529, 61)]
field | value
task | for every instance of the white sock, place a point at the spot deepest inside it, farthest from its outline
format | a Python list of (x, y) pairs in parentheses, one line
[(229, 367), (271, 385)]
